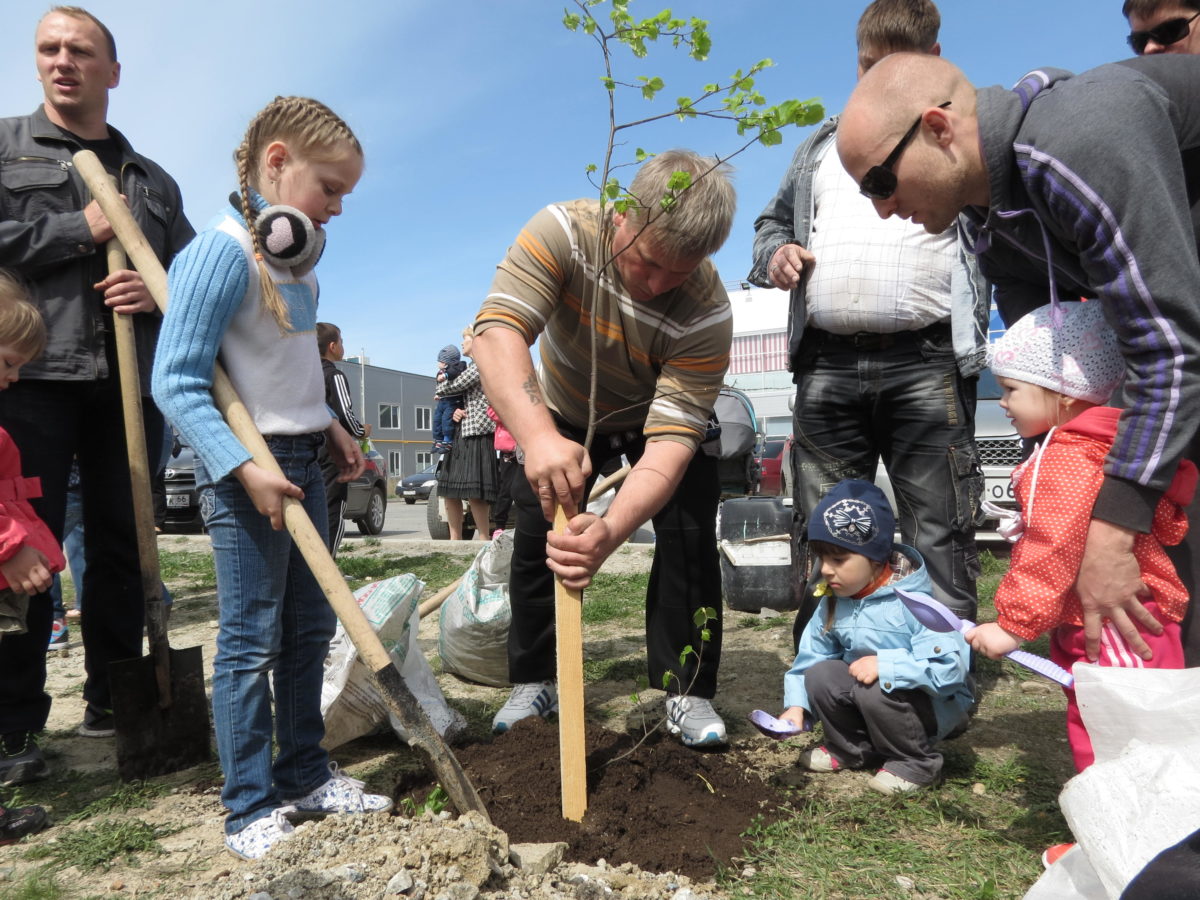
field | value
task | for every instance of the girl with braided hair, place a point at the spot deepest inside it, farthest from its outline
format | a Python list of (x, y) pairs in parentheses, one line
[(244, 288)]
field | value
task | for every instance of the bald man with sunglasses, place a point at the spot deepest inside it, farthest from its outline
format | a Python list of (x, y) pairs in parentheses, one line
[(1071, 186)]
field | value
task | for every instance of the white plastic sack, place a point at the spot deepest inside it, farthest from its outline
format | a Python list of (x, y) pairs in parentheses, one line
[(350, 703), (473, 630), (1142, 795)]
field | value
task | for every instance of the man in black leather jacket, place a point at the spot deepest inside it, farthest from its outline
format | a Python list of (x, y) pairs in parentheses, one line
[(67, 403)]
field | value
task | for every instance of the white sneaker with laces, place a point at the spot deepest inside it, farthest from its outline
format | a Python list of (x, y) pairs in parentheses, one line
[(340, 794), (257, 838), (695, 721), (536, 698)]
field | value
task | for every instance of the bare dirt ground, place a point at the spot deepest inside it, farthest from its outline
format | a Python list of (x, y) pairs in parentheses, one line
[(431, 857)]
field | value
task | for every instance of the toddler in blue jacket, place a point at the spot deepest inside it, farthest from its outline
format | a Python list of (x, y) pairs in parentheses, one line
[(885, 688)]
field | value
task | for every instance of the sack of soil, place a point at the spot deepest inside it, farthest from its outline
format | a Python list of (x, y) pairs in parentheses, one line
[(350, 703), (473, 633)]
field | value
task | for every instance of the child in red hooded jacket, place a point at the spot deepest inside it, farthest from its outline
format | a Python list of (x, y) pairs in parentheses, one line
[(1057, 367), (29, 554)]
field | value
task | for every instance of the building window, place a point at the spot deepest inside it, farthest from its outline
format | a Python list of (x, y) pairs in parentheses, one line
[(395, 461), (389, 415), (758, 353), (424, 459), (424, 418)]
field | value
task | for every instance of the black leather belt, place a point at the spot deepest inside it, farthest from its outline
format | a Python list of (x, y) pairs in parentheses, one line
[(868, 340)]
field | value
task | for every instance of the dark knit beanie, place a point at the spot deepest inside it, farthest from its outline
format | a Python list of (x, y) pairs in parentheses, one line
[(857, 516), (448, 354)]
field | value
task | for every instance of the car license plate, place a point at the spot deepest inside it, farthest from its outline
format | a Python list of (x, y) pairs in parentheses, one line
[(999, 490), (175, 500)]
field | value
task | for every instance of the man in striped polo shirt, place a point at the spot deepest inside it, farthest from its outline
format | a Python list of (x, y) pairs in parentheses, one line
[(637, 286)]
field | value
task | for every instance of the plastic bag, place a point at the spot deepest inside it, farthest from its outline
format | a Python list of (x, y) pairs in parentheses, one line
[(473, 631), (350, 703), (1142, 794)]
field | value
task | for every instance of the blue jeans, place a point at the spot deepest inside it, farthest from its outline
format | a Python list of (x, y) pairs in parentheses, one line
[(905, 404), (443, 419), (275, 623)]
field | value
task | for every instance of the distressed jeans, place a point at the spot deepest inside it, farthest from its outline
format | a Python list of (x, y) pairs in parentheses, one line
[(274, 631), (907, 405)]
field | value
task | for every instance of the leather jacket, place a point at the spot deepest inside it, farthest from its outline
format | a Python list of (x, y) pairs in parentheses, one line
[(44, 239)]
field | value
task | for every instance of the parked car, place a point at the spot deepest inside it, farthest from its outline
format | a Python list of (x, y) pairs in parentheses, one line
[(366, 496), (770, 462), (412, 488), (183, 500)]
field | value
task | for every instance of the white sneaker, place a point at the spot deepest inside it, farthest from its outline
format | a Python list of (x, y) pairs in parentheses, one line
[(695, 721), (257, 838), (340, 794), (887, 783), (536, 698)]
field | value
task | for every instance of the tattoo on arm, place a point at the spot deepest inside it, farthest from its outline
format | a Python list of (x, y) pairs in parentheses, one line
[(532, 390)]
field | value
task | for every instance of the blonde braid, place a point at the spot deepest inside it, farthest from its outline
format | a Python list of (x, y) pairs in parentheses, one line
[(312, 130)]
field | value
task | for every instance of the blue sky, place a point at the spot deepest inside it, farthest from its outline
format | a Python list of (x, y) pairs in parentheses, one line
[(474, 114)]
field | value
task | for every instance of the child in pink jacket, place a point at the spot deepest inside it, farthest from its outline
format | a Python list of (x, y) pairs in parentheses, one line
[(1057, 368), (29, 554)]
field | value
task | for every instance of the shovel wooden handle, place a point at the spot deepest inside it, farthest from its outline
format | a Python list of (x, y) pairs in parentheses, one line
[(396, 694), (139, 477)]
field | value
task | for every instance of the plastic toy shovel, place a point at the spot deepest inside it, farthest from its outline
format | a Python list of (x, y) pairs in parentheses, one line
[(936, 617), (776, 729)]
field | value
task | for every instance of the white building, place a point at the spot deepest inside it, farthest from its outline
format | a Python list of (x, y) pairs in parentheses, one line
[(758, 358)]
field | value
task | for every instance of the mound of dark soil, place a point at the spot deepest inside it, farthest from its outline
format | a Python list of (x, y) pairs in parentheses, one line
[(663, 808)]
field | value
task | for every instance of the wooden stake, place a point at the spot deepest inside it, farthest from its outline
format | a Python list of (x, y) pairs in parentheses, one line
[(572, 744)]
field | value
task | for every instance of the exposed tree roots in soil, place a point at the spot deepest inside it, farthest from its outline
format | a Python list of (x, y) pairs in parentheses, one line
[(664, 808)]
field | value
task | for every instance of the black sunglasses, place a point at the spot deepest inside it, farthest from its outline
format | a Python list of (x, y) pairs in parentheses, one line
[(1164, 34), (880, 181)]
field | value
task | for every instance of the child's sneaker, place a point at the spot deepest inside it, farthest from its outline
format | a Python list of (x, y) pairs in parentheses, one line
[(887, 783), (60, 637), (1051, 855), (253, 841), (340, 794), (818, 759), (537, 698), (695, 721), (18, 823)]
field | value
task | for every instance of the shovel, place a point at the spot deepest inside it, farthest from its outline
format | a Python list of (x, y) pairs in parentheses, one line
[(422, 736), (159, 706)]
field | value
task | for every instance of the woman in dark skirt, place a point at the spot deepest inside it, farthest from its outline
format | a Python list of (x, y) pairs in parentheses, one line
[(468, 471)]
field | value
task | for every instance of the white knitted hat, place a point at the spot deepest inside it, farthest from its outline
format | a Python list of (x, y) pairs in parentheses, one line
[(1078, 357)]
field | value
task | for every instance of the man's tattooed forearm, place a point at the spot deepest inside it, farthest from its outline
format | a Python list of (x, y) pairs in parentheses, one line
[(532, 389)]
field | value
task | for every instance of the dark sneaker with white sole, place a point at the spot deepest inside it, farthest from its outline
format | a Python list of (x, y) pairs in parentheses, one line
[(21, 759)]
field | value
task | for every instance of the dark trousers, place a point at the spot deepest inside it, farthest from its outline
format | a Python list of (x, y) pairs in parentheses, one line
[(684, 577), (335, 499), (509, 470), (53, 422), (866, 726), (899, 399)]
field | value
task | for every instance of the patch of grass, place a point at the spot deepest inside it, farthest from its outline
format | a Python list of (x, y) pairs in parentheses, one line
[(194, 567), (615, 597), (858, 846), (626, 669), (34, 886), (136, 795), (102, 844), (436, 569)]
